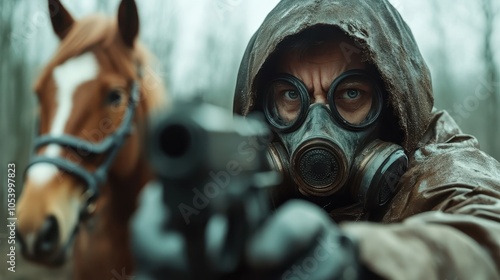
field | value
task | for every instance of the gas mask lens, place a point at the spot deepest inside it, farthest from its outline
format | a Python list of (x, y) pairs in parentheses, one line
[(355, 101), (286, 101)]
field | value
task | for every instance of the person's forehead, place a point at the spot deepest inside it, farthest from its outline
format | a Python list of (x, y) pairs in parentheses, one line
[(337, 46), (327, 54)]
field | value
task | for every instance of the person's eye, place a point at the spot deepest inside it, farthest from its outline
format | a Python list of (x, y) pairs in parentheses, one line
[(291, 95), (351, 94)]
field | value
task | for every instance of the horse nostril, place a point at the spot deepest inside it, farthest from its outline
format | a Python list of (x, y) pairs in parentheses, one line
[(48, 238)]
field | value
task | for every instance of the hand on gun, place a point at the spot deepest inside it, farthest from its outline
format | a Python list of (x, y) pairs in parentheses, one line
[(185, 228)]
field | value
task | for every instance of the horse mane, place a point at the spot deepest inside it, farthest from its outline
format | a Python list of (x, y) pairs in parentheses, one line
[(100, 34)]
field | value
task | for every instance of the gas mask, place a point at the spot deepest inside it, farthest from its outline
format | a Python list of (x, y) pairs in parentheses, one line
[(328, 152)]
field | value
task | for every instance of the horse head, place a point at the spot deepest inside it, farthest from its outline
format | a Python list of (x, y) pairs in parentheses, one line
[(93, 96)]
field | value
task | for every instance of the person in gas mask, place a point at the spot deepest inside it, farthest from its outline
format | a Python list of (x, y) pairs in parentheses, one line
[(377, 183), (335, 142)]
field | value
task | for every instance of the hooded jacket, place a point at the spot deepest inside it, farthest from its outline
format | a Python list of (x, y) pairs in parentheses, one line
[(444, 222)]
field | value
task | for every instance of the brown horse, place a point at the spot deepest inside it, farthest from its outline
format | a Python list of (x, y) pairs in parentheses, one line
[(94, 97)]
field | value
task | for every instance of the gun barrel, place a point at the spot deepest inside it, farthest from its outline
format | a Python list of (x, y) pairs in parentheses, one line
[(215, 166), (175, 140), (194, 139), (177, 147)]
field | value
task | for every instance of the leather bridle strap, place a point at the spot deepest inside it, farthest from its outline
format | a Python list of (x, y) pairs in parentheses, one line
[(109, 145)]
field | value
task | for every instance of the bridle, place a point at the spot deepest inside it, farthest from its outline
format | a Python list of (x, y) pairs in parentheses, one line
[(109, 145)]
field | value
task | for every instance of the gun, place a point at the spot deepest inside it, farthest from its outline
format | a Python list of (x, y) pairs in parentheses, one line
[(215, 185)]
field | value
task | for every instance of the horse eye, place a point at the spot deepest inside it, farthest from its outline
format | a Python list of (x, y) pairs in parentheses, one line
[(114, 97)]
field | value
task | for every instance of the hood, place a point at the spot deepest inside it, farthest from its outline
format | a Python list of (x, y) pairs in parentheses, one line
[(377, 27)]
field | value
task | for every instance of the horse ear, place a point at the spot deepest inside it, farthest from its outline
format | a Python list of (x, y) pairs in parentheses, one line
[(60, 17), (128, 22)]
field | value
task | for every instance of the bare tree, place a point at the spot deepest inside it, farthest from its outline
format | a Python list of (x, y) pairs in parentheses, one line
[(491, 74), (5, 31), (443, 86), (15, 107)]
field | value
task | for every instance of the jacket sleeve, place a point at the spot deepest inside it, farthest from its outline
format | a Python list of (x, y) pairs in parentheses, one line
[(444, 223)]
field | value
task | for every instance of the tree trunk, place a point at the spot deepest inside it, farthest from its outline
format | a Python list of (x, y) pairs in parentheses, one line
[(491, 75)]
